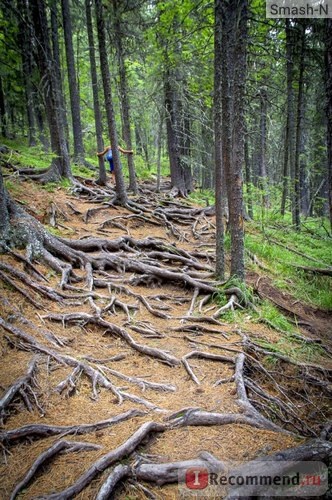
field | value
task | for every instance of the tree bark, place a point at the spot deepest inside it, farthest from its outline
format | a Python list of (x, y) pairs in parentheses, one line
[(181, 177), (57, 67), (125, 105), (121, 193), (3, 115), (96, 105), (248, 178), (299, 123), (220, 199), (60, 166), (25, 40), (171, 102), (4, 213), (234, 38), (72, 81), (263, 177), (235, 199), (159, 139), (328, 87), (288, 148)]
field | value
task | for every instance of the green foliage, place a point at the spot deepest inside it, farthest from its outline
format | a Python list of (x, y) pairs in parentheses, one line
[(51, 187), (12, 186), (203, 197), (149, 172), (21, 155), (312, 241), (292, 348), (82, 171), (54, 230), (270, 313)]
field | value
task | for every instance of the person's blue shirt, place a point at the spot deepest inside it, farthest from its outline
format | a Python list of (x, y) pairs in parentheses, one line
[(109, 158)]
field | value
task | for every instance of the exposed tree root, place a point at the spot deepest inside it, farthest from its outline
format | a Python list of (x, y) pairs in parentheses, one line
[(37, 431), (107, 460), (120, 332), (94, 374), (202, 355), (119, 472), (59, 447), (19, 386), (263, 399)]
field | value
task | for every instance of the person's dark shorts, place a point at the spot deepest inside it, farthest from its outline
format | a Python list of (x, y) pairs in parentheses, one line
[(111, 165)]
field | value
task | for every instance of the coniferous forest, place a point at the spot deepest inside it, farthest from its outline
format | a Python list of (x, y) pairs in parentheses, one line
[(165, 250)]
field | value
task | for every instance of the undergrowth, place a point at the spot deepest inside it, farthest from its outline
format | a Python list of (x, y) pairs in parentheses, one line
[(262, 237), (306, 286)]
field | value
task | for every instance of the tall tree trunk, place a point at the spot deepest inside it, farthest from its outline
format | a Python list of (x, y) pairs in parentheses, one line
[(263, 178), (121, 193), (219, 177), (42, 133), (3, 114), (74, 96), (208, 167), (60, 165), (298, 141), (174, 86), (288, 149), (235, 199), (234, 39), (138, 140), (57, 66), (96, 106), (25, 40), (124, 94), (328, 87), (159, 139), (171, 103), (4, 214), (185, 146), (227, 97), (248, 178)]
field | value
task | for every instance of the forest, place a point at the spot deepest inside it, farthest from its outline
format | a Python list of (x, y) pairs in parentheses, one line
[(165, 250)]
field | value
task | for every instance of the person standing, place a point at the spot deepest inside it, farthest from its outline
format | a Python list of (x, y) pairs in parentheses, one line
[(109, 157)]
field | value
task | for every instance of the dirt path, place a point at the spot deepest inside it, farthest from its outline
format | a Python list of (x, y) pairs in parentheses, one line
[(134, 329)]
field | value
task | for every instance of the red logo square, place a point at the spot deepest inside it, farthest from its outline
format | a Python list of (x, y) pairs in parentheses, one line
[(197, 478)]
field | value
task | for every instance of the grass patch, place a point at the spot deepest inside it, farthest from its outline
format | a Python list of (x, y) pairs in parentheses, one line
[(203, 197), (22, 155), (82, 171), (13, 187), (315, 244), (53, 230), (51, 187), (272, 314), (292, 348)]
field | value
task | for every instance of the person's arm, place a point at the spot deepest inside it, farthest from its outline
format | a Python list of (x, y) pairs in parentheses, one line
[(104, 152), (125, 151)]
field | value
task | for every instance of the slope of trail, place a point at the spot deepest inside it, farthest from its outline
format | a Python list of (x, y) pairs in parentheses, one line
[(133, 337)]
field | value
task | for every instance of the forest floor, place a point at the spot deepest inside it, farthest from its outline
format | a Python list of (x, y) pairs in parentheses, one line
[(286, 374)]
